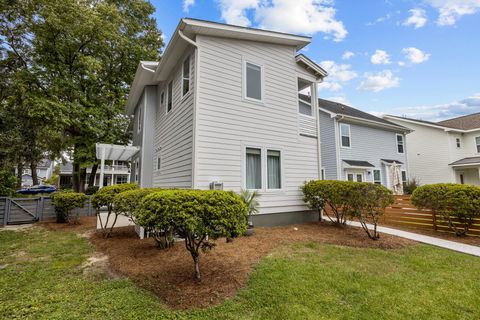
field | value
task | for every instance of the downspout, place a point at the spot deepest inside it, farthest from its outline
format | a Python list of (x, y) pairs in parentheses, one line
[(195, 104)]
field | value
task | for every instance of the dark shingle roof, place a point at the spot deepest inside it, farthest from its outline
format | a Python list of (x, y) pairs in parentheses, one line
[(471, 121), (469, 160), (391, 161), (358, 163)]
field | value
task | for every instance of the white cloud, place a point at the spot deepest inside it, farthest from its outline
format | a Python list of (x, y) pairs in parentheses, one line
[(442, 111), (386, 17), (452, 10), (347, 55), (187, 4), (338, 75), (379, 81), (401, 63), (380, 57), (415, 55), (418, 18), (294, 16)]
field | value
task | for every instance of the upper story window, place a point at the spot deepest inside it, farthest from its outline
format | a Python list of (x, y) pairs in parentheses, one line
[(253, 163), (139, 120), (186, 76), (477, 142), (400, 144), (169, 96), (345, 135), (457, 141), (253, 86)]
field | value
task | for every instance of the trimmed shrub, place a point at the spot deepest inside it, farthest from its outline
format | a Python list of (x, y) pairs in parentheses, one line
[(367, 202), (65, 202), (458, 204), (328, 194), (410, 186), (8, 182), (104, 198), (196, 215)]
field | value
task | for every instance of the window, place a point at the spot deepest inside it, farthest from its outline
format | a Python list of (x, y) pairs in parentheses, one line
[(162, 98), (253, 81), (136, 170), (323, 174), (477, 142), (377, 176), (345, 135), (169, 96), (359, 177), (462, 179), (121, 179), (274, 170), (400, 147), (139, 120), (186, 76), (458, 143), (350, 177), (158, 162), (253, 168), (404, 178), (304, 107)]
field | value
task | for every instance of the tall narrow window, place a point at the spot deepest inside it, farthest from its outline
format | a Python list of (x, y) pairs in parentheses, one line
[(137, 168), (345, 135), (169, 96), (158, 162), (162, 98), (253, 168), (477, 142), (253, 81), (139, 120), (323, 174), (400, 145), (377, 176), (404, 178), (186, 76), (458, 143), (274, 169)]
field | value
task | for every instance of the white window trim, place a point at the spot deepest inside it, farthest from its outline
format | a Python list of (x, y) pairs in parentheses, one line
[(263, 162), (403, 143), (281, 169), (349, 135), (189, 77), (476, 145), (373, 175), (167, 97), (244, 80)]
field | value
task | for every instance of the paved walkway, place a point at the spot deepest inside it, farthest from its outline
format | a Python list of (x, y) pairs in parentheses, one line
[(452, 245)]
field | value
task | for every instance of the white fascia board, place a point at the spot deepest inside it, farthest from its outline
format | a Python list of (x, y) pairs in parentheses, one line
[(422, 123), (319, 72), (143, 77), (375, 123)]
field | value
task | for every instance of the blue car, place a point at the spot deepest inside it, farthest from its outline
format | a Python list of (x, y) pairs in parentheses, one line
[(38, 189)]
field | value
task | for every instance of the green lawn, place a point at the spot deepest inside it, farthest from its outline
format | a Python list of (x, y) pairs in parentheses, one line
[(40, 278)]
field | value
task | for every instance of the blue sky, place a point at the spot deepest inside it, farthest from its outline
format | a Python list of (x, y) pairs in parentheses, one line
[(403, 57)]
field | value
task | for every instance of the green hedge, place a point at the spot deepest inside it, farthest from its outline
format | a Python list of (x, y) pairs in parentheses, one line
[(127, 202), (454, 202), (65, 202), (8, 183), (196, 215)]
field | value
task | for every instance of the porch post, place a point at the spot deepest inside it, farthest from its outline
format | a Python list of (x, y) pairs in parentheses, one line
[(102, 167)]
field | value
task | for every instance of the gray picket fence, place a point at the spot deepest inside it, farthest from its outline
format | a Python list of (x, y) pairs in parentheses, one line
[(15, 211)]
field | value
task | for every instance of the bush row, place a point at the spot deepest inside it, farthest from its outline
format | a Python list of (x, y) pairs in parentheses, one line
[(344, 200), (458, 204)]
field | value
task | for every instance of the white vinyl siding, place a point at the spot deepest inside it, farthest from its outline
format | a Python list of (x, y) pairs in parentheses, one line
[(227, 123), (253, 81), (345, 137), (400, 143)]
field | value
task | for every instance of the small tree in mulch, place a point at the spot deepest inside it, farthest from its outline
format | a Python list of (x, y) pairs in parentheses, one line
[(367, 202), (327, 194), (65, 202), (197, 216), (104, 198), (128, 204), (458, 204)]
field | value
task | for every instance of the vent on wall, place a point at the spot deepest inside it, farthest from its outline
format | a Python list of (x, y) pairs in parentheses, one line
[(216, 185)]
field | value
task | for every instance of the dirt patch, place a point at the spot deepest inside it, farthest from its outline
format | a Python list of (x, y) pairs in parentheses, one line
[(82, 226), (169, 273), (97, 266)]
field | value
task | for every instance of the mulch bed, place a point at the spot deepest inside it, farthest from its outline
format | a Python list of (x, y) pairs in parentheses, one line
[(169, 273)]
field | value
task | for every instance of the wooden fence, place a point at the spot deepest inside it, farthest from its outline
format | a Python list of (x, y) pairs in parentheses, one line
[(403, 213)]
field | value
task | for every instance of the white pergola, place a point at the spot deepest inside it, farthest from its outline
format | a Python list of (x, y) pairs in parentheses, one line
[(113, 152)]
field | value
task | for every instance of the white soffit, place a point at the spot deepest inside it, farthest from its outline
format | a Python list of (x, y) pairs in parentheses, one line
[(116, 152)]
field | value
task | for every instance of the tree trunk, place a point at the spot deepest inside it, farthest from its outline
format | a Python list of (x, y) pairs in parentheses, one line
[(93, 173), (19, 174), (33, 168), (196, 260), (76, 177), (82, 179)]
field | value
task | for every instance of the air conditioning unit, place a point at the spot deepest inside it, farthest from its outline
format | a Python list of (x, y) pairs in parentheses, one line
[(216, 185)]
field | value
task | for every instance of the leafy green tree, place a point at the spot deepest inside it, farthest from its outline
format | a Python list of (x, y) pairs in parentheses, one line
[(65, 202), (8, 182)]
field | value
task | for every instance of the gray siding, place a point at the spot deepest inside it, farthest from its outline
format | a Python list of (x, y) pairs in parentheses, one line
[(329, 152), (372, 144), (227, 124), (174, 131), (147, 150)]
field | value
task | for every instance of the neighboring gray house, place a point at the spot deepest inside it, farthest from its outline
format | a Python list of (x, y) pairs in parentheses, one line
[(221, 110), (358, 146)]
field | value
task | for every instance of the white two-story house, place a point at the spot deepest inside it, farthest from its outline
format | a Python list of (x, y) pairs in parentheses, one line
[(445, 151), (221, 110)]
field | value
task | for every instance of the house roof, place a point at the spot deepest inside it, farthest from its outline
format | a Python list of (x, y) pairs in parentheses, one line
[(468, 122), (311, 66), (391, 161), (358, 163), (428, 123), (466, 161)]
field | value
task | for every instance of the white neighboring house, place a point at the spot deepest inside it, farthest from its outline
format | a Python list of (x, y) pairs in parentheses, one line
[(221, 110), (445, 151), (44, 171)]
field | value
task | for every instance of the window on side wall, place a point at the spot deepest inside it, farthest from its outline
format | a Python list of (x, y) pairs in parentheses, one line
[(186, 76), (404, 178), (457, 141), (477, 142), (253, 81), (345, 135), (169, 96), (139, 120), (400, 144), (323, 174), (274, 169), (377, 176), (137, 166), (253, 168), (162, 98), (158, 162)]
